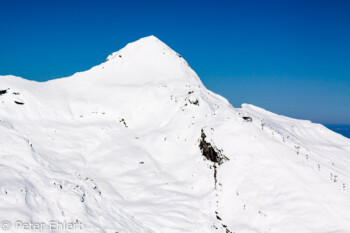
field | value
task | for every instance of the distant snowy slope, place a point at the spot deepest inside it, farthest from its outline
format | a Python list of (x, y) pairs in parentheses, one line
[(138, 144)]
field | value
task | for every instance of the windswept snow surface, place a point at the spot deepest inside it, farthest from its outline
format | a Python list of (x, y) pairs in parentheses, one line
[(116, 148)]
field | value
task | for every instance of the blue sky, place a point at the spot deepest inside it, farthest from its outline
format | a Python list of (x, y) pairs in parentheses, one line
[(289, 57)]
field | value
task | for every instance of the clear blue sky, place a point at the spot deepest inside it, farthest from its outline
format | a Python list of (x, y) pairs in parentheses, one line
[(290, 57)]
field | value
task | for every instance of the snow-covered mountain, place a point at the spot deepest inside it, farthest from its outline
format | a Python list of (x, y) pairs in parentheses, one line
[(138, 144)]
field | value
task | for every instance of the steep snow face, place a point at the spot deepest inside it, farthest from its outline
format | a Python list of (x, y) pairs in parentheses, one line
[(138, 144)]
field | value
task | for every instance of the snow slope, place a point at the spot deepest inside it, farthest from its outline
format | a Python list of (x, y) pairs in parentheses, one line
[(117, 149)]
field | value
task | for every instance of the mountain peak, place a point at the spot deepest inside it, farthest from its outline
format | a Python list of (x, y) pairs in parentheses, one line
[(149, 59), (138, 141), (145, 44), (148, 39)]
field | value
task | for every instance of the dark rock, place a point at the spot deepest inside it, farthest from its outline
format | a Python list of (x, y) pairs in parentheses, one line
[(247, 119), (209, 152), (123, 121), (195, 102), (20, 103)]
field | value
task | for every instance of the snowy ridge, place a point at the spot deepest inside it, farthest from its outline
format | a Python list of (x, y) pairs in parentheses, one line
[(123, 147)]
